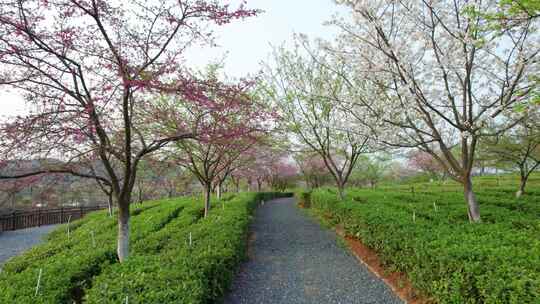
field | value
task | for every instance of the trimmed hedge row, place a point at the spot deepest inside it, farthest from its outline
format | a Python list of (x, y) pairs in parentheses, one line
[(443, 255), (180, 271), (68, 269), (84, 267)]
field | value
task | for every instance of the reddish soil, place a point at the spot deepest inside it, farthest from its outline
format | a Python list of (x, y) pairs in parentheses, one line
[(397, 281)]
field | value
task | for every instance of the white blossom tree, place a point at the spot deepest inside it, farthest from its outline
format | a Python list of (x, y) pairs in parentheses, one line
[(308, 93), (442, 79), (517, 149)]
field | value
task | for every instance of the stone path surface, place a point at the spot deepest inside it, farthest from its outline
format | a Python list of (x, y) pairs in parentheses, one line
[(15, 242), (293, 260)]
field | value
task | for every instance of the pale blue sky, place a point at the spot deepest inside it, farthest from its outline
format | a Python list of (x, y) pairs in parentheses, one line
[(246, 42)]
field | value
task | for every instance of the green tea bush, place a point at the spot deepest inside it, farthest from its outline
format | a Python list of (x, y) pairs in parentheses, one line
[(427, 236), (163, 267), (75, 260), (97, 223), (180, 272), (303, 198)]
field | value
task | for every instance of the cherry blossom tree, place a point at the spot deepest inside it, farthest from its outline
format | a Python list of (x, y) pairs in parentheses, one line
[(425, 163), (146, 185), (10, 188), (307, 92), (370, 170), (282, 174), (518, 148), (88, 68), (313, 169), (210, 160), (250, 168), (168, 178), (48, 174), (508, 13), (235, 123), (268, 163), (442, 80)]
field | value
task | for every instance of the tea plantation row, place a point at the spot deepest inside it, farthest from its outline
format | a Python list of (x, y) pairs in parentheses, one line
[(426, 235), (177, 256)]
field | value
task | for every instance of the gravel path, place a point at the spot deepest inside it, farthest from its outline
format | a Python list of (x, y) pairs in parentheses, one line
[(15, 242), (293, 260)]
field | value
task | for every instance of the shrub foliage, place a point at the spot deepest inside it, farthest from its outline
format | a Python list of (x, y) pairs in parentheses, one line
[(165, 267), (426, 234)]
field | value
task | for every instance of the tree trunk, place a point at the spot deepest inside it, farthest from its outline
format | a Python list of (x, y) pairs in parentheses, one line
[(123, 230), (207, 194), (140, 195), (218, 190), (110, 204), (258, 185), (341, 191), (472, 204), (522, 184)]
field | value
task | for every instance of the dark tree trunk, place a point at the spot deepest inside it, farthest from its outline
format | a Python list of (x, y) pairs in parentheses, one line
[(341, 191), (472, 203), (110, 203), (522, 185), (140, 194), (218, 190), (207, 195)]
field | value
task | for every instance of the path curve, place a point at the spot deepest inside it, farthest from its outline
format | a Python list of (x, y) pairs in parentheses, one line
[(293, 260), (15, 242)]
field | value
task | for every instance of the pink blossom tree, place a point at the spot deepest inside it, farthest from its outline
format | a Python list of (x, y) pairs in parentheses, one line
[(10, 188), (282, 174), (425, 163), (88, 68), (168, 178), (313, 169), (264, 163), (234, 124)]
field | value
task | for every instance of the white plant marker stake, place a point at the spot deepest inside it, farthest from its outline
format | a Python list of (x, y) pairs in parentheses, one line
[(93, 239), (190, 240), (127, 299), (69, 220), (414, 216), (263, 202), (38, 281), (435, 206)]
